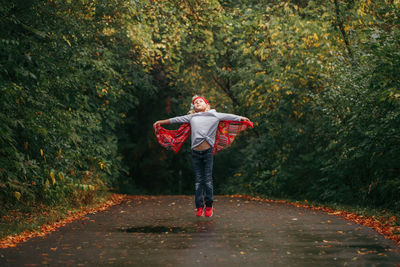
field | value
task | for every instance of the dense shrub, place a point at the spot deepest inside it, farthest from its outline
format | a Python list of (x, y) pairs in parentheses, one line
[(83, 81)]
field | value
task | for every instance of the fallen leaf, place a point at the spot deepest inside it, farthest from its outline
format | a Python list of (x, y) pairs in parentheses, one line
[(366, 252)]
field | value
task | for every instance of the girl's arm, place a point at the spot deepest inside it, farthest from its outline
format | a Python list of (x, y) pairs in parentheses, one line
[(179, 119), (230, 117)]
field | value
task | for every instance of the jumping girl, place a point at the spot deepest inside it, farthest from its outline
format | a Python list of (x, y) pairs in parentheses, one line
[(211, 131)]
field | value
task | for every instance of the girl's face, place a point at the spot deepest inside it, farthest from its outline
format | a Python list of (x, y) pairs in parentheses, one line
[(200, 105)]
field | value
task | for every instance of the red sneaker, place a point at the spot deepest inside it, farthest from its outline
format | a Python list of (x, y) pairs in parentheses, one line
[(209, 211), (200, 212)]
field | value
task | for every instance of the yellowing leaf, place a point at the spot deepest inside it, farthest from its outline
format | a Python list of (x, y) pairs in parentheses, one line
[(61, 176), (41, 152), (17, 195)]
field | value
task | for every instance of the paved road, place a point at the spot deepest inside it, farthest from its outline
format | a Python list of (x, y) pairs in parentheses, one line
[(163, 231)]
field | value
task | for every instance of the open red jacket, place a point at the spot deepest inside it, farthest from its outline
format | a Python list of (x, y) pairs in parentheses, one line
[(226, 133)]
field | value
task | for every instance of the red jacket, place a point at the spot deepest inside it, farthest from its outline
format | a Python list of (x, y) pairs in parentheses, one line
[(226, 133)]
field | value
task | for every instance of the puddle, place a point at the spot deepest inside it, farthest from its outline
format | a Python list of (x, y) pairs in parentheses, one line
[(198, 227), (154, 229)]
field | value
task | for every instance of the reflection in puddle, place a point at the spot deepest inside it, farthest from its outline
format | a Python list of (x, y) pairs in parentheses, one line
[(154, 229), (197, 227)]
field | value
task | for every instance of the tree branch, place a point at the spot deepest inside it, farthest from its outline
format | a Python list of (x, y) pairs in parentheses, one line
[(226, 88), (341, 27)]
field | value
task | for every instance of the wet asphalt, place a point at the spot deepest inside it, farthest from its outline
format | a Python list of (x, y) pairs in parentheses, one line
[(164, 231)]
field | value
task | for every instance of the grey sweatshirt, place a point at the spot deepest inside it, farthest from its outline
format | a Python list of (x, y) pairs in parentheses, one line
[(204, 125)]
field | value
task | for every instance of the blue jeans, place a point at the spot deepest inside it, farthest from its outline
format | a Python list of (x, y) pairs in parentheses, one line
[(202, 166)]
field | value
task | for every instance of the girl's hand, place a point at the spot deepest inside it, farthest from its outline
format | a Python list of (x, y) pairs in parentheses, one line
[(156, 123), (245, 119)]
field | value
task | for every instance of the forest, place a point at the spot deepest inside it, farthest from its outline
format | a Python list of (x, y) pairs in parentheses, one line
[(83, 81)]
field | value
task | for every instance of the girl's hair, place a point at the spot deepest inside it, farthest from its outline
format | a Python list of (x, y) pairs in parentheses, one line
[(191, 111)]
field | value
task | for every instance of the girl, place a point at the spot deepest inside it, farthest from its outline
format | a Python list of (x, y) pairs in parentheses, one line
[(211, 131)]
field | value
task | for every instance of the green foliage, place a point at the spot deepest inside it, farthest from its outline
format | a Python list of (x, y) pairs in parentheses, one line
[(68, 77), (327, 111), (83, 81)]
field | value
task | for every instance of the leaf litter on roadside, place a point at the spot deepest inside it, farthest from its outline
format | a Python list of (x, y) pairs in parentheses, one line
[(13, 240), (389, 228)]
